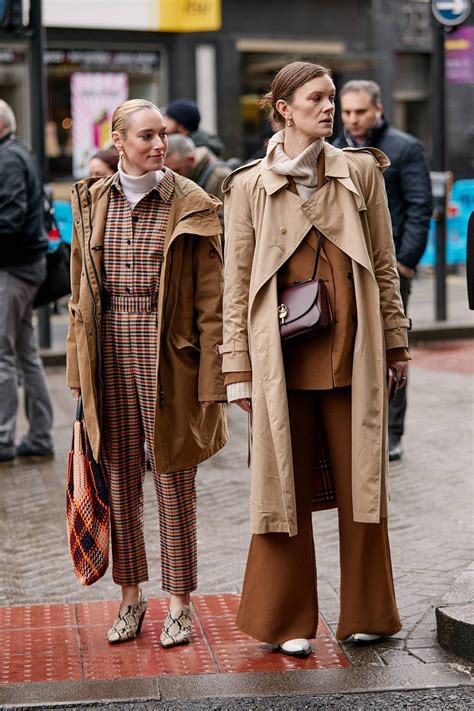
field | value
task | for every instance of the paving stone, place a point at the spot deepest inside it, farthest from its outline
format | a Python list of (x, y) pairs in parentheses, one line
[(398, 656), (433, 654)]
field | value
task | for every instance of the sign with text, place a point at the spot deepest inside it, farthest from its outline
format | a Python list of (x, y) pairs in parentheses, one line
[(459, 46), (151, 15), (94, 98)]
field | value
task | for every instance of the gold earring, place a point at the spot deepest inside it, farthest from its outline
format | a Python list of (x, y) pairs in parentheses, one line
[(289, 123), (121, 155)]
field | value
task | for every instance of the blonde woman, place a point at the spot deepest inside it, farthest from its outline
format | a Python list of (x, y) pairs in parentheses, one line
[(319, 404), (145, 320)]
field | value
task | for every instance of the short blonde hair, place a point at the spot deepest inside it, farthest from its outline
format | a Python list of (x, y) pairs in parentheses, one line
[(123, 113), (7, 117)]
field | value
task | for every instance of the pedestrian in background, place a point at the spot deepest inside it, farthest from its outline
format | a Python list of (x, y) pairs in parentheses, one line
[(319, 406), (23, 246), (146, 317), (199, 165), (408, 186), (104, 163), (183, 116)]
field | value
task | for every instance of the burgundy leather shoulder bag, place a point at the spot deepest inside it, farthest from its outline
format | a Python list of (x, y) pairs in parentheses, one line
[(304, 309)]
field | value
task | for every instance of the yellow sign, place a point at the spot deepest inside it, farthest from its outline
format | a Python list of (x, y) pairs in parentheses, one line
[(189, 15)]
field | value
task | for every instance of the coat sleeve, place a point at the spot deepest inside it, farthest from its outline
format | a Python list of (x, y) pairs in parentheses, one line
[(239, 250), (415, 185), (208, 287), (13, 196), (72, 363), (396, 324)]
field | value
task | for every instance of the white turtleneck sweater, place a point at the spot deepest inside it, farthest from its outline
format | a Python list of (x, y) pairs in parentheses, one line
[(136, 187)]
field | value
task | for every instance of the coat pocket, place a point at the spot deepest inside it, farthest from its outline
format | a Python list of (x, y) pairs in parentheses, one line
[(179, 341)]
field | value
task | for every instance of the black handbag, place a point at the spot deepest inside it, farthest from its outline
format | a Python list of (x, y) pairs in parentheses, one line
[(304, 309), (58, 258), (58, 280)]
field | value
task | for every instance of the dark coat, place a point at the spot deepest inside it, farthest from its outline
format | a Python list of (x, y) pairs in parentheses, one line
[(470, 261), (408, 186), (22, 236)]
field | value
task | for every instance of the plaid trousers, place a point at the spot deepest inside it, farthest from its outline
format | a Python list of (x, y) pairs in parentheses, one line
[(132, 247)]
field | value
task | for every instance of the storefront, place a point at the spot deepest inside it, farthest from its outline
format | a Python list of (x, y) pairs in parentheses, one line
[(85, 84)]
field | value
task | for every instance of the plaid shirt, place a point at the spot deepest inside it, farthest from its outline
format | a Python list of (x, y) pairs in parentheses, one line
[(134, 240)]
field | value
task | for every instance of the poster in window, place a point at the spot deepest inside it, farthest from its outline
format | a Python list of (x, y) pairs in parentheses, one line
[(94, 98)]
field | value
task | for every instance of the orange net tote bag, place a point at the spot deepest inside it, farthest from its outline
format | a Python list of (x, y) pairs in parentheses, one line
[(87, 507)]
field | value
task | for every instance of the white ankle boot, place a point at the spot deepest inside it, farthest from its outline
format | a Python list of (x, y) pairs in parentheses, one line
[(295, 647)]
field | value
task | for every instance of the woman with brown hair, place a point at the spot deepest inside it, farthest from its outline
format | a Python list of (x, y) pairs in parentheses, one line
[(318, 403), (145, 321), (104, 163)]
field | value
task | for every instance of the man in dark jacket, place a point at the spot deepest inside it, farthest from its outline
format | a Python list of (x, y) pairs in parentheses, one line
[(408, 185), (23, 246)]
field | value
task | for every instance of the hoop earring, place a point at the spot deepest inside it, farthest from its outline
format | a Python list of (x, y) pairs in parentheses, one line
[(289, 123)]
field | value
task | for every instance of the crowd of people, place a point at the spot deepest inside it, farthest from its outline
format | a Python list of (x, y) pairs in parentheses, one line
[(185, 327)]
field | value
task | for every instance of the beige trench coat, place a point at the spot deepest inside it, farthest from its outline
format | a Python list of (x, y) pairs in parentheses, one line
[(264, 224), (189, 323)]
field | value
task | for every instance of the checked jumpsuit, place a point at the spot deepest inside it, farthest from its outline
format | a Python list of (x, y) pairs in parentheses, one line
[(133, 255)]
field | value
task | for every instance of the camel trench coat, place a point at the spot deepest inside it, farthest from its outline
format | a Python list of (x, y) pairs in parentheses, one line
[(189, 323), (264, 224)]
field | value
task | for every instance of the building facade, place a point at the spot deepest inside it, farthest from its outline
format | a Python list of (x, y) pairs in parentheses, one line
[(227, 69)]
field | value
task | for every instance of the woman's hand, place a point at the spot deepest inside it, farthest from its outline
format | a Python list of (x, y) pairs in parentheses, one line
[(244, 403), (76, 393), (401, 369)]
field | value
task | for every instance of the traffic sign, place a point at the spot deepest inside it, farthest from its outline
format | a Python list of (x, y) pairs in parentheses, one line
[(451, 12)]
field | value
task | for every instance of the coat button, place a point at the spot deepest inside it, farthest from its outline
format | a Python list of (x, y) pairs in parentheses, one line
[(127, 289), (283, 230), (128, 265), (129, 241)]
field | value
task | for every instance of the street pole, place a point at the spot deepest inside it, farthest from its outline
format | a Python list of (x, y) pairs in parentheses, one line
[(439, 165), (38, 94)]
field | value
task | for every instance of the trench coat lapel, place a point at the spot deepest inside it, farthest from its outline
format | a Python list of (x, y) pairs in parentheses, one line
[(332, 211), (290, 227)]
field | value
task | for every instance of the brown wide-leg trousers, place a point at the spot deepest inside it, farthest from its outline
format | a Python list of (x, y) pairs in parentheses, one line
[(279, 598)]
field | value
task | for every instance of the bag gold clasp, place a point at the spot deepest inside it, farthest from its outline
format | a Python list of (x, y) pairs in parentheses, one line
[(282, 313)]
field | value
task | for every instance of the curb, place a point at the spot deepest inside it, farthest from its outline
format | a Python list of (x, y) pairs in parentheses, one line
[(444, 332), (455, 617), (423, 334)]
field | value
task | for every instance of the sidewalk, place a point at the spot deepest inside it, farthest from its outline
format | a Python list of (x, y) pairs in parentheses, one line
[(52, 631)]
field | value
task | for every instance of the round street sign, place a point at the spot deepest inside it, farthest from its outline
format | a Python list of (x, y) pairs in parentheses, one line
[(451, 12)]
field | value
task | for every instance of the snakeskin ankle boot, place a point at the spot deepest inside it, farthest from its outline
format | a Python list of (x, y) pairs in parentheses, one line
[(177, 627), (128, 623)]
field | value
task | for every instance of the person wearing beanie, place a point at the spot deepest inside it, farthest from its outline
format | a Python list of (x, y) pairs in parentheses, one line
[(183, 116)]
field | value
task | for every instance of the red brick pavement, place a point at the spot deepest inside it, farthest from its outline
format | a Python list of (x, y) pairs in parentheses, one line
[(449, 356), (65, 642)]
